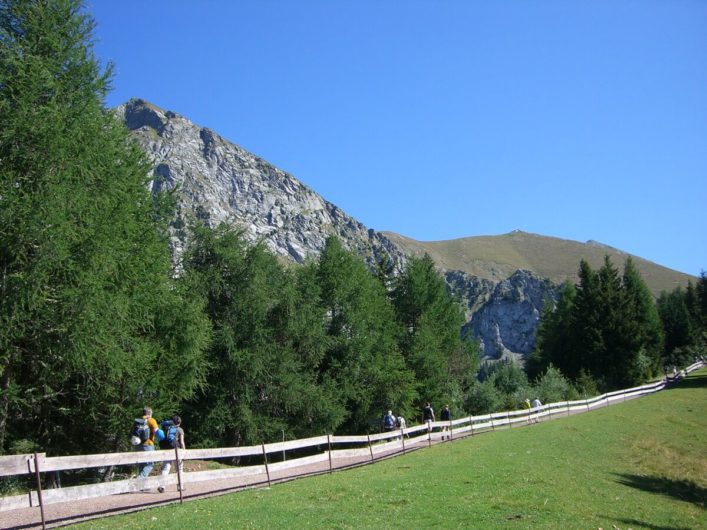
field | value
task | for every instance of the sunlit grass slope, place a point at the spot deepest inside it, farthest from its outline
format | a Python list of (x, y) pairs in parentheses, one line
[(497, 257), (640, 464)]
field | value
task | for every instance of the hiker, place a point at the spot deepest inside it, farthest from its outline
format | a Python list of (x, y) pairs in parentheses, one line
[(389, 422), (174, 437), (446, 416), (536, 404), (147, 440), (428, 415), (400, 422), (526, 405)]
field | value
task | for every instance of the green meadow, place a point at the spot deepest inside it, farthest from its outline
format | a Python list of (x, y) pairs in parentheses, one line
[(639, 464)]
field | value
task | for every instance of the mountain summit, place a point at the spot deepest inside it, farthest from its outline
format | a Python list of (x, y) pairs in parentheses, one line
[(221, 182), (503, 281)]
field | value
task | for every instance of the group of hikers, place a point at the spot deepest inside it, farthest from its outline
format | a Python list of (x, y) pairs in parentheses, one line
[(147, 435), (391, 422)]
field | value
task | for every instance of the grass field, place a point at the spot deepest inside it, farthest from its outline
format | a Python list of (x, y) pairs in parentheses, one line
[(640, 464)]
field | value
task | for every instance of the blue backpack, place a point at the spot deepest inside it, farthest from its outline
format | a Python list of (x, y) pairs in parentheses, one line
[(389, 421), (170, 435)]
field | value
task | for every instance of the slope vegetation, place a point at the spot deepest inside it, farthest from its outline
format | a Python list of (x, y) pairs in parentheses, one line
[(497, 257)]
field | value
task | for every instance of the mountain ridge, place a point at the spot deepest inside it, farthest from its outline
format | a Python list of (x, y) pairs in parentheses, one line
[(502, 281), (497, 257)]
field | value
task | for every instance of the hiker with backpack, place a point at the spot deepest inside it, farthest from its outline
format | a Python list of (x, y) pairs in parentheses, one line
[(389, 422), (173, 437), (143, 438), (428, 415)]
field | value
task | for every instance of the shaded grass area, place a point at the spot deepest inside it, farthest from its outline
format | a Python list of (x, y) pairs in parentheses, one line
[(640, 464)]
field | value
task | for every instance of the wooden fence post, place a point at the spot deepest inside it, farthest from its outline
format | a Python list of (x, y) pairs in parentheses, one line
[(369, 446), (267, 470), (471, 424), (402, 438), (451, 431), (328, 439), (39, 489), (178, 463)]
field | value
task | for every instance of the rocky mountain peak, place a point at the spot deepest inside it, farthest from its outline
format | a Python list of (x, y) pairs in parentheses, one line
[(222, 182)]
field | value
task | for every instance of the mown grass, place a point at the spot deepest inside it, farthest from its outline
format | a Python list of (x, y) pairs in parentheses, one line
[(641, 464)]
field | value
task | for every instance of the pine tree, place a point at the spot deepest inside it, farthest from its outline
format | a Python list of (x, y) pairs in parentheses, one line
[(88, 312)]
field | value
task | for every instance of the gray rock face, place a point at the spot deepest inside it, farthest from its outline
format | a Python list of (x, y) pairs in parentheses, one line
[(507, 322), (221, 182)]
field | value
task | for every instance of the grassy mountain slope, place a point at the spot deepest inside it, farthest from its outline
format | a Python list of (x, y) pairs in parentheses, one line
[(497, 257)]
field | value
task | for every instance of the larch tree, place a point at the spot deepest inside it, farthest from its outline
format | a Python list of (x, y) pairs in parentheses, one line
[(90, 319)]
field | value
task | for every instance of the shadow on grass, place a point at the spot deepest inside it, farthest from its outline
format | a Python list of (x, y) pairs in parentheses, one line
[(692, 381), (684, 490), (643, 524)]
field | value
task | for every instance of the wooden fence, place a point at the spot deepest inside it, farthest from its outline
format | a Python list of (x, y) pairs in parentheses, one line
[(326, 448)]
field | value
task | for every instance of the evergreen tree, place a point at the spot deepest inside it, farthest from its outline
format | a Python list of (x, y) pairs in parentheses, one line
[(676, 322), (89, 315), (609, 361), (265, 353), (643, 333), (586, 323), (362, 361), (554, 343), (443, 361)]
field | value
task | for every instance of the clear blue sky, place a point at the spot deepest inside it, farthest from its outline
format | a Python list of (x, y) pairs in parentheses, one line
[(444, 119)]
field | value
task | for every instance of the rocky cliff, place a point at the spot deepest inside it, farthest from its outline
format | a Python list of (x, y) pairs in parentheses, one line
[(221, 182), (218, 181)]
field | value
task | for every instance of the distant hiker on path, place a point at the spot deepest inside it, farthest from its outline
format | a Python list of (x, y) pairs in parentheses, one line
[(536, 404), (446, 416), (389, 422), (428, 415), (401, 424)]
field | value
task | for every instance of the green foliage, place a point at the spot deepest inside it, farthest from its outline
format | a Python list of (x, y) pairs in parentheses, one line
[(552, 387), (362, 359), (259, 381), (510, 383), (607, 329), (443, 361), (87, 305), (483, 398)]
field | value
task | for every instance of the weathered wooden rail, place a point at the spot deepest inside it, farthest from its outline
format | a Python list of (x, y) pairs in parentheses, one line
[(322, 448)]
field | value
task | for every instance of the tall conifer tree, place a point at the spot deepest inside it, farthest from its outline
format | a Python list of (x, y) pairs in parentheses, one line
[(89, 317)]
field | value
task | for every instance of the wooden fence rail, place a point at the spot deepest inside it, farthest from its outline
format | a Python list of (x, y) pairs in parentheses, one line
[(320, 449)]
